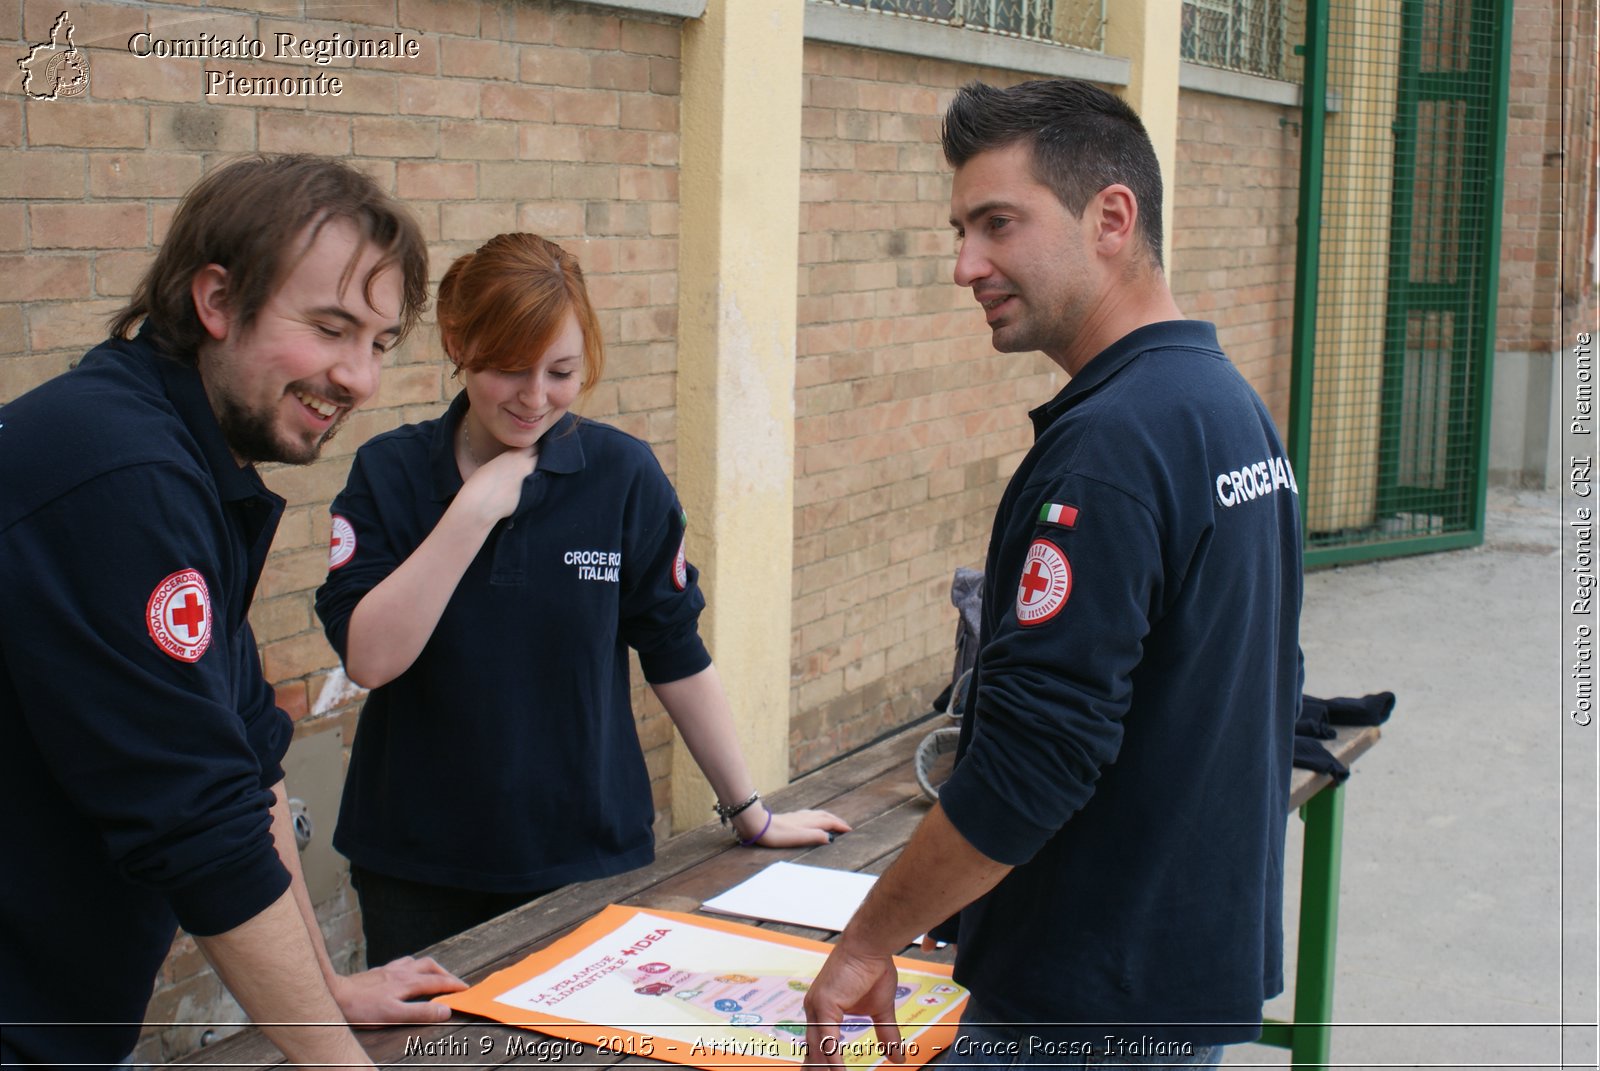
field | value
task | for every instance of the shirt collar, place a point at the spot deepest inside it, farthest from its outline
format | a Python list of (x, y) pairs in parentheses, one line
[(560, 449), (187, 393), (1184, 334)]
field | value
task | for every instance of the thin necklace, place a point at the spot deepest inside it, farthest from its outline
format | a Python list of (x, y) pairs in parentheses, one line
[(466, 435)]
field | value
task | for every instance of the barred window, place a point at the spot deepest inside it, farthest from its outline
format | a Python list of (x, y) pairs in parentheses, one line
[(1064, 22), (1252, 36)]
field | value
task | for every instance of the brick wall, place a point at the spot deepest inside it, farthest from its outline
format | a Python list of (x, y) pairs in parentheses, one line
[(1577, 63), (532, 115), (907, 422), (1231, 253), (1529, 312), (1547, 237)]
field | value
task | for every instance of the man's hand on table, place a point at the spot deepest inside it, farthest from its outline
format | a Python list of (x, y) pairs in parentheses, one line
[(938, 874), (852, 982), (388, 994)]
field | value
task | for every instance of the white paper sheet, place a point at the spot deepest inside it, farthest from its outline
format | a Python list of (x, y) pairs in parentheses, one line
[(797, 894)]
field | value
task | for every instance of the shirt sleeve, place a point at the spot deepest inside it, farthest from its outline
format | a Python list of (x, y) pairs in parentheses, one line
[(269, 730), (661, 600), (1074, 606), (168, 748), (361, 554)]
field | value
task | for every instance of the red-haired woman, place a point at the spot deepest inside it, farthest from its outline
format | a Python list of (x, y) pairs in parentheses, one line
[(489, 570)]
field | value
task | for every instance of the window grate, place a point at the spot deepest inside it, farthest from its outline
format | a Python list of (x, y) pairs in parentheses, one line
[(1078, 23), (1244, 35)]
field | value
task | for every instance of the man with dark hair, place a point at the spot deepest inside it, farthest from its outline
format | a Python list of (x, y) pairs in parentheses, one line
[(139, 741), (1112, 834)]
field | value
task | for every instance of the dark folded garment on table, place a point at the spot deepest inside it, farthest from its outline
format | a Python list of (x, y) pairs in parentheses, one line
[(1317, 720), (1368, 710), (1309, 754)]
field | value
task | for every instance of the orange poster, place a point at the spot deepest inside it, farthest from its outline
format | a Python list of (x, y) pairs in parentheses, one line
[(700, 991)]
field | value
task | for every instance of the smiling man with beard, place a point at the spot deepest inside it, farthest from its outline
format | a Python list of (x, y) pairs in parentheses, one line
[(137, 733)]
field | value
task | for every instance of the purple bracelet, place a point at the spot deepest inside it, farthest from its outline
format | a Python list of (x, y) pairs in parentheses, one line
[(758, 836)]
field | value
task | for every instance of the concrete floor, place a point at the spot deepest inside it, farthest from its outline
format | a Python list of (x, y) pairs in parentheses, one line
[(1467, 929)]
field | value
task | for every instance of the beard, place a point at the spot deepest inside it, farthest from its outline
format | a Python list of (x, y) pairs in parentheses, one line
[(253, 435)]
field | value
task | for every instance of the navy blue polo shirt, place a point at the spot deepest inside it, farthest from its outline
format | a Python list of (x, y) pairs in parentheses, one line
[(138, 738), (505, 759), (1127, 744)]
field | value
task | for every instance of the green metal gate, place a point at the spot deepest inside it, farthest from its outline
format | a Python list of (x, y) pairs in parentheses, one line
[(1402, 169)]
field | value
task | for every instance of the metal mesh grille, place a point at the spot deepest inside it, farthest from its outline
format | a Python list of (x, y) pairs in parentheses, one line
[(1253, 36), (1080, 23), (1400, 353)]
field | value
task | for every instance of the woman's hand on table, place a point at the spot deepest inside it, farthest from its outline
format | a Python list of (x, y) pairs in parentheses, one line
[(792, 829)]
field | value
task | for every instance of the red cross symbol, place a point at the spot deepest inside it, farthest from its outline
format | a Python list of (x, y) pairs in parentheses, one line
[(1035, 582), (191, 615)]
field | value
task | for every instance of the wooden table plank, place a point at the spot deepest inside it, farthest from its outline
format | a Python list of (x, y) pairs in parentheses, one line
[(874, 790), (1350, 744), (850, 787)]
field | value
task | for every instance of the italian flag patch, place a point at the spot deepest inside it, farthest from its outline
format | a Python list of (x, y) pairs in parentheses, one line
[(1060, 515)]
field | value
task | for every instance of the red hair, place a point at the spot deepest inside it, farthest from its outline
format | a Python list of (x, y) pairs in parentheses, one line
[(501, 306)]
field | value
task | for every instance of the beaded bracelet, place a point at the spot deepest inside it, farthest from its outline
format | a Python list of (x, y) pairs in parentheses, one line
[(727, 814), (758, 836)]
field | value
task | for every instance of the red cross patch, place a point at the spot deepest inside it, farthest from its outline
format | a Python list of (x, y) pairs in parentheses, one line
[(1045, 585), (179, 615), (341, 542), (680, 568)]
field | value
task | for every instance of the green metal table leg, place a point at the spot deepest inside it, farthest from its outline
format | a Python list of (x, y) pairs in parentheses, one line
[(1319, 924)]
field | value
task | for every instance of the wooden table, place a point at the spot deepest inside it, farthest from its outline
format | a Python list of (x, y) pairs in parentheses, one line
[(876, 791), (1320, 801)]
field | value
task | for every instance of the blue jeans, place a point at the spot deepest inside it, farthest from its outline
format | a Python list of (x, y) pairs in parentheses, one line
[(983, 1042)]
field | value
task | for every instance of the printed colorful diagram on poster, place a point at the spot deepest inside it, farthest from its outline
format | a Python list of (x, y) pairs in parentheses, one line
[(700, 991)]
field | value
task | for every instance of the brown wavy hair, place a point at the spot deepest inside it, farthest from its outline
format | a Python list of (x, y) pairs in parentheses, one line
[(501, 306), (255, 217)]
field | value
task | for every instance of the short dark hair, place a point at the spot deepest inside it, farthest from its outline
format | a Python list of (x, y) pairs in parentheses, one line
[(245, 216), (1083, 140)]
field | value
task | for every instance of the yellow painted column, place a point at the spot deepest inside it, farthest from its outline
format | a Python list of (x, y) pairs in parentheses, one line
[(1352, 300), (739, 215), (1146, 33)]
